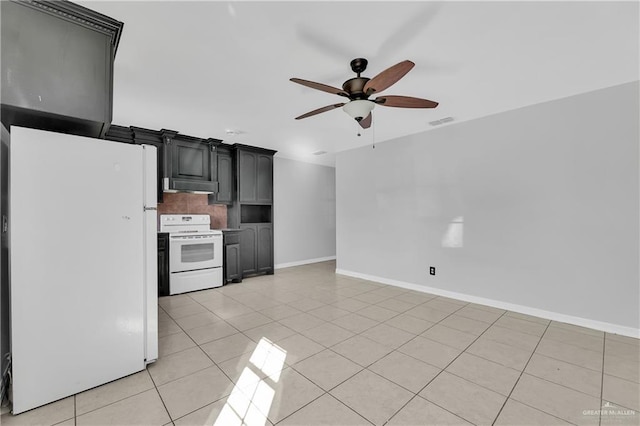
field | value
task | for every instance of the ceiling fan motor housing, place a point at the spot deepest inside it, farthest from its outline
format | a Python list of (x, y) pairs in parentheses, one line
[(355, 87)]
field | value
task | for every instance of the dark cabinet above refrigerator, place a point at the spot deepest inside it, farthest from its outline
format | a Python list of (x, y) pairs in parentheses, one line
[(57, 66)]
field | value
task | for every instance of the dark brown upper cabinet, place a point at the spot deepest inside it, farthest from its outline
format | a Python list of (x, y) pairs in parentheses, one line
[(255, 175), (225, 178), (57, 66), (264, 171), (190, 163)]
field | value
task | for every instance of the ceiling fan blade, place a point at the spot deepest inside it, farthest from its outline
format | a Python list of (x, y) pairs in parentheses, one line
[(320, 86), (405, 102), (365, 123), (320, 110), (388, 77), (407, 31), (327, 42)]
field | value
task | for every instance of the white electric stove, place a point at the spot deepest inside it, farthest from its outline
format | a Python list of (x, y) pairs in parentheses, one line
[(195, 252)]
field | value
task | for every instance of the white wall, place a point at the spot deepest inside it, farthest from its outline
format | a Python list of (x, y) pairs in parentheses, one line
[(549, 200), (304, 212)]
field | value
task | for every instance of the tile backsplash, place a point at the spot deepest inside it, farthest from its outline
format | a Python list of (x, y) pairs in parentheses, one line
[(185, 203)]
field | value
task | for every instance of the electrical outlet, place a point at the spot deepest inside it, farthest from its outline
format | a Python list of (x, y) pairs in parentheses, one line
[(432, 270)]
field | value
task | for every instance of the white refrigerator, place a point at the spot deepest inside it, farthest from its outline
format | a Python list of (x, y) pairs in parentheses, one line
[(83, 263)]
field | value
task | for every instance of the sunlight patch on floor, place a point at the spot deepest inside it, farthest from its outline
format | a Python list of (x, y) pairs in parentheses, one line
[(252, 396)]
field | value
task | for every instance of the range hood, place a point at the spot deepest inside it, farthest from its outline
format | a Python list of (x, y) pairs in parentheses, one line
[(190, 186)]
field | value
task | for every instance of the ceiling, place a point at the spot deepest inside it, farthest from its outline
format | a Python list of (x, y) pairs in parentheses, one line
[(205, 68)]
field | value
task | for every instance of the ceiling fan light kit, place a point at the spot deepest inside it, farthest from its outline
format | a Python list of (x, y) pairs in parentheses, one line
[(358, 90), (358, 109)]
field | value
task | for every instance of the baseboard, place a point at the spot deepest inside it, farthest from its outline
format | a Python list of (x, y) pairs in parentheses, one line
[(554, 316), (303, 262)]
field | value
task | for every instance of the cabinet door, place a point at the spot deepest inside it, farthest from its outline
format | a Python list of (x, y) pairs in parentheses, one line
[(233, 270), (248, 249), (265, 247), (163, 264), (247, 177), (264, 179), (190, 161), (225, 178), (191, 166)]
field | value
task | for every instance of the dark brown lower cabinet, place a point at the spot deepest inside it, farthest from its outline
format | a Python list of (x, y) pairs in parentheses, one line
[(264, 255), (248, 250), (256, 248), (163, 264), (233, 270), (231, 261)]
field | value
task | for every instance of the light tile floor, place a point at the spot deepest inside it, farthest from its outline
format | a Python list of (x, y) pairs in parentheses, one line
[(307, 347)]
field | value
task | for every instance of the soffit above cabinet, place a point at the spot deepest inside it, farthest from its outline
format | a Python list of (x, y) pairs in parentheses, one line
[(81, 16)]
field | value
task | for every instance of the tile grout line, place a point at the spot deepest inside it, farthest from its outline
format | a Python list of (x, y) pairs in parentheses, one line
[(190, 374), (113, 402), (357, 334), (160, 395), (417, 394), (232, 381), (315, 399), (333, 387), (560, 384), (216, 365), (554, 358), (393, 350), (206, 354), (359, 365), (308, 403), (520, 376), (199, 408), (569, 362), (290, 366)]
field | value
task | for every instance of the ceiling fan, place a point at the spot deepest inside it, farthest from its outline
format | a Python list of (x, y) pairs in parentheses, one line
[(359, 89)]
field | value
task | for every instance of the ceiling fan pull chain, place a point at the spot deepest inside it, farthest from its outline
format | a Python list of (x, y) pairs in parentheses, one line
[(373, 131)]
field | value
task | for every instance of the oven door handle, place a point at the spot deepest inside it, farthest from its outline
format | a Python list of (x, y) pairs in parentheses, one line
[(190, 238)]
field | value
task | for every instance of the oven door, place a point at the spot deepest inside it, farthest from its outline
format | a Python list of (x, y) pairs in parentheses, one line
[(194, 252)]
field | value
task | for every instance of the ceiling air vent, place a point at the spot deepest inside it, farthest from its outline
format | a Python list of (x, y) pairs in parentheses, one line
[(319, 152), (441, 121)]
